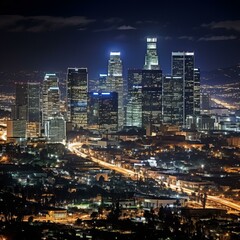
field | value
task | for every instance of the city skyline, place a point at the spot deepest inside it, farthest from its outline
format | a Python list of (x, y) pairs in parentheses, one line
[(54, 36)]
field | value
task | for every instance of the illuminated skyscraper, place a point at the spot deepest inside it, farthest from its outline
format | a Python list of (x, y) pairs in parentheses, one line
[(77, 95), (151, 57), (115, 83), (33, 102), (33, 116), (134, 105), (173, 100), (26, 111), (50, 97), (55, 129), (103, 111), (102, 82), (183, 66), (151, 97), (115, 65), (197, 92)]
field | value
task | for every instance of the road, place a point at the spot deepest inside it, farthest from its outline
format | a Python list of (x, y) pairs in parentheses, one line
[(75, 148), (224, 104), (127, 172)]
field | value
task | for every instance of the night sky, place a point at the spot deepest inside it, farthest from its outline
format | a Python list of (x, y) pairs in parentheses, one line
[(53, 35)]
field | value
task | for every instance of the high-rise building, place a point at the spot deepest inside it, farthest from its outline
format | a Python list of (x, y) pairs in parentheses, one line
[(16, 129), (103, 111), (34, 102), (173, 100), (134, 103), (77, 95), (205, 103), (102, 82), (183, 66), (50, 97), (151, 97), (151, 57), (197, 89), (19, 109), (55, 129), (115, 65), (33, 115), (115, 83)]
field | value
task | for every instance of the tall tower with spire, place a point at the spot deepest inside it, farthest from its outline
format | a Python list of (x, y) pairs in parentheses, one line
[(151, 57)]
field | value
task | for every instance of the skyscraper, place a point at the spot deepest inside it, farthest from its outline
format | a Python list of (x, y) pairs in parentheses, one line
[(102, 82), (173, 100), (77, 95), (134, 103), (151, 57), (103, 111), (183, 66), (33, 115), (50, 97), (151, 97), (19, 110), (197, 92), (115, 83), (25, 119), (55, 129), (34, 102)]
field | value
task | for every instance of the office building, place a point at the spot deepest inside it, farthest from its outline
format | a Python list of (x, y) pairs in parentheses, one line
[(16, 129), (197, 90), (134, 103), (26, 111), (205, 103), (102, 82), (55, 130), (33, 114), (115, 84), (173, 100), (19, 109), (50, 97), (77, 95), (183, 66), (103, 111), (151, 57), (151, 97)]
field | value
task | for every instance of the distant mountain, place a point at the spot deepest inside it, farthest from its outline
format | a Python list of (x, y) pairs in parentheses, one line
[(221, 75)]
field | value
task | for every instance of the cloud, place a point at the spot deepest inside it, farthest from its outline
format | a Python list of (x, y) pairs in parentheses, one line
[(218, 38), (229, 25), (190, 38), (126, 27), (18, 23)]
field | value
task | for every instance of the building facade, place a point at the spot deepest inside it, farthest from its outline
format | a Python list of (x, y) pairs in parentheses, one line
[(115, 83), (77, 95), (134, 103), (173, 100), (183, 66), (151, 97), (50, 97), (103, 111), (151, 57)]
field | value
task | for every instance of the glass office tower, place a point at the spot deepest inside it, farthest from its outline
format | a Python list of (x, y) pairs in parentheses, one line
[(77, 95)]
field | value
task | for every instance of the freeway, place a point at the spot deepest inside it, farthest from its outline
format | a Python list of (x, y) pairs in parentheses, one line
[(76, 146), (215, 199), (223, 103)]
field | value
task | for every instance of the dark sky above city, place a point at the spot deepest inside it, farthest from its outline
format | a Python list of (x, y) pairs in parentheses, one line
[(53, 35)]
